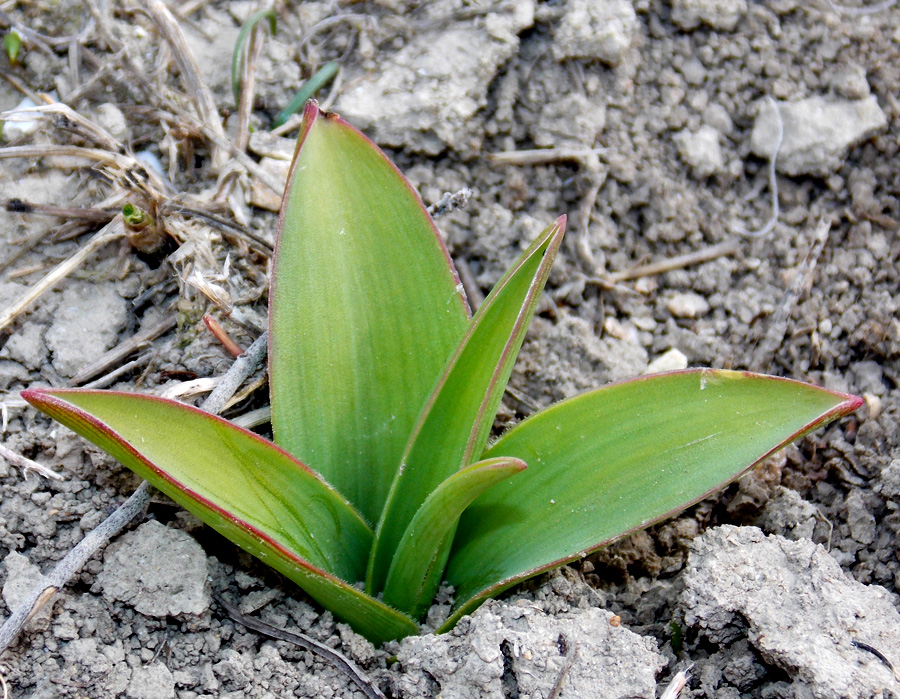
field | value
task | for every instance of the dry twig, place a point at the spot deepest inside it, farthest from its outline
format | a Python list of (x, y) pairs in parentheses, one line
[(540, 156), (27, 465), (339, 660), (242, 368), (766, 349)]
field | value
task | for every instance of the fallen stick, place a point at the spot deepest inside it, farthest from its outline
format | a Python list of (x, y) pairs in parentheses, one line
[(51, 583)]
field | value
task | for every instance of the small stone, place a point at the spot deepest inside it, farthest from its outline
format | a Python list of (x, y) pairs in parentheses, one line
[(425, 97), (850, 81), (717, 116), (87, 323), (701, 150), (110, 117), (261, 194), (687, 305), (718, 14), (571, 121), (818, 133), (889, 481), (612, 661), (22, 577), (27, 346), (598, 29), (789, 515), (158, 571), (151, 682), (859, 519), (673, 360), (796, 606)]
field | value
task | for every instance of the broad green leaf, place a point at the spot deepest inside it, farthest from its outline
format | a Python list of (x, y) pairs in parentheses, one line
[(418, 565), (455, 423), (365, 308), (618, 459), (249, 490)]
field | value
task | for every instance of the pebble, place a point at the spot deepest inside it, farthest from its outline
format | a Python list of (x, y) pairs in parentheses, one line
[(573, 121), (673, 360), (687, 305), (701, 150), (22, 576), (87, 323), (110, 117), (157, 570), (818, 133), (860, 521), (793, 602), (595, 29), (151, 682), (718, 14)]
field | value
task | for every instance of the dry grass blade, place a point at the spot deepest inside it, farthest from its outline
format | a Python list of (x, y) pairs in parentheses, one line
[(190, 72), (545, 155), (113, 231), (678, 262), (64, 117)]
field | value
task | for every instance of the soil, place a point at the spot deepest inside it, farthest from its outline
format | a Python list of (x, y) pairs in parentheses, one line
[(666, 107)]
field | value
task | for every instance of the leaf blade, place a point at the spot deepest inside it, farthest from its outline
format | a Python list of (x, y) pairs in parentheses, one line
[(418, 565), (364, 334), (586, 487), (454, 425), (248, 489)]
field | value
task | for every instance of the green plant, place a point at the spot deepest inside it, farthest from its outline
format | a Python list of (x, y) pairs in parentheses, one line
[(12, 44), (382, 383)]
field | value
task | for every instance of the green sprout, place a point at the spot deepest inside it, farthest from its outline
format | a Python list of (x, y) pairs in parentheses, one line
[(239, 57), (383, 394), (12, 44)]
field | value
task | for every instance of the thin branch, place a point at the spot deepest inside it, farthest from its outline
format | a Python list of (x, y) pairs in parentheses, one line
[(123, 349), (571, 656), (72, 563), (131, 508), (338, 660), (27, 464), (545, 155), (764, 353), (678, 262)]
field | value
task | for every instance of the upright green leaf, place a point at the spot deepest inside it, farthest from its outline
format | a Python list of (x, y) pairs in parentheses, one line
[(365, 308), (418, 566), (249, 490), (456, 421), (616, 460)]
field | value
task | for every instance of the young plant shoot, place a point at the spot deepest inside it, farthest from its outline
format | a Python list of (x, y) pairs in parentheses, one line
[(384, 392)]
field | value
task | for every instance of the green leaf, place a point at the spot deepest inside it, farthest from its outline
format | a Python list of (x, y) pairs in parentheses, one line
[(618, 459), (456, 421), (307, 91), (12, 42), (365, 308), (249, 490), (418, 566), (240, 47)]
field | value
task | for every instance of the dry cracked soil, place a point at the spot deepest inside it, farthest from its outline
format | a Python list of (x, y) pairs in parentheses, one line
[(657, 122)]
